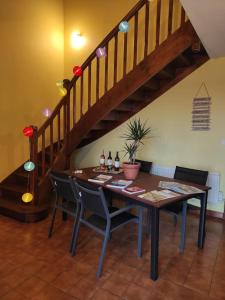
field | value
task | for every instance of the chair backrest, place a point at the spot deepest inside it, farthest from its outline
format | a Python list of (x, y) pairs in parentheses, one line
[(191, 175), (145, 165), (64, 186), (92, 199)]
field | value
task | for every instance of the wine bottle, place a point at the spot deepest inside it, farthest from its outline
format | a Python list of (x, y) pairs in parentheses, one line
[(109, 162), (117, 162), (102, 160)]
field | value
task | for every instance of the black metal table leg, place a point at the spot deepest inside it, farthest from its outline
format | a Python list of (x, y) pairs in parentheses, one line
[(201, 230), (154, 242)]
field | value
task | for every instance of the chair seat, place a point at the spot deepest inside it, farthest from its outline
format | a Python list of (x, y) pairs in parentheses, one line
[(116, 221)]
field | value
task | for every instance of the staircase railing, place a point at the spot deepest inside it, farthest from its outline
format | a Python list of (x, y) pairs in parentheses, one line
[(150, 23)]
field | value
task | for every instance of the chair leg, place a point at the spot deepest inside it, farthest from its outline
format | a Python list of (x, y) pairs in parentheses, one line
[(73, 235), (100, 264), (74, 238), (175, 219), (52, 222), (64, 216), (75, 231), (140, 224), (148, 223), (183, 226)]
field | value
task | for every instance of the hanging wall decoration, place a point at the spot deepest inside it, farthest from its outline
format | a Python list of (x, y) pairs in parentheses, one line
[(201, 110), (28, 166)]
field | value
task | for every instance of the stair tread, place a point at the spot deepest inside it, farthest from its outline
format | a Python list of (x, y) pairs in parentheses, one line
[(25, 212), (21, 188)]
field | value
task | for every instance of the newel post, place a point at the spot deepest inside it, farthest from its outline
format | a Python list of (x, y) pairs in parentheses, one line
[(33, 141)]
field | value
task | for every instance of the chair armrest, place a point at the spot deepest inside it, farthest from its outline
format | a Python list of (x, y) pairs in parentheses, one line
[(120, 211)]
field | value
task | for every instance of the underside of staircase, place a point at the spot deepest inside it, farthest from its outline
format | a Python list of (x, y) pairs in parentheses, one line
[(159, 71)]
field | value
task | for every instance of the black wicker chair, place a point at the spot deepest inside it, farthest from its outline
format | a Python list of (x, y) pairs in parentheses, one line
[(66, 199), (192, 176), (103, 219)]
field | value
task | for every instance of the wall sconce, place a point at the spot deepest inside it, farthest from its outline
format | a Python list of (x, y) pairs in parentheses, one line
[(77, 40)]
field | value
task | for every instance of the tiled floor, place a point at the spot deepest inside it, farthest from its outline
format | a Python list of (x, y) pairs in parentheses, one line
[(34, 267)]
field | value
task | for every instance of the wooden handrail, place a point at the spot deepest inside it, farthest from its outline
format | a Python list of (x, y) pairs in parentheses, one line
[(61, 119)]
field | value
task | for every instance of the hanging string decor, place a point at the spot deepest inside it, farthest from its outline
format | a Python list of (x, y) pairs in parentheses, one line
[(101, 52), (47, 112), (201, 110), (124, 26), (62, 91), (77, 71), (59, 83), (28, 131), (27, 197), (29, 166)]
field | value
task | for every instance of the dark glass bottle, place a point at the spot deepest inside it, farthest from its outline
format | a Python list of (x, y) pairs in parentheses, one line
[(102, 160), (117, 162), (109, 162)]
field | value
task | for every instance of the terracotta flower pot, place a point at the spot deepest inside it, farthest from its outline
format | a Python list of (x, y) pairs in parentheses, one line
[(131, 170)]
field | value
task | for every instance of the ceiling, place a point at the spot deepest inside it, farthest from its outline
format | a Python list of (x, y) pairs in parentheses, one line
[(208, 19)]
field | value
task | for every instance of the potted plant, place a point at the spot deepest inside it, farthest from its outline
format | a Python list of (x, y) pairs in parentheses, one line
[(136, 132)]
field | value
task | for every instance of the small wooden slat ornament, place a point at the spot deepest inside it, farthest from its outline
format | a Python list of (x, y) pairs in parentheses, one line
[(201, 111)]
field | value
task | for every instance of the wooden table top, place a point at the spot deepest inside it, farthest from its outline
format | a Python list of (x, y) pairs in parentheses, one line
[(144, 180)]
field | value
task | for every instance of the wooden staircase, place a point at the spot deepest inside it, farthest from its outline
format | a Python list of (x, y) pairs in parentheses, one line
[(110, 91)]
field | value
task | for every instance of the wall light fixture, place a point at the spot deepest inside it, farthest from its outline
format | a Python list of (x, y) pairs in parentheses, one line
[(77, 40)]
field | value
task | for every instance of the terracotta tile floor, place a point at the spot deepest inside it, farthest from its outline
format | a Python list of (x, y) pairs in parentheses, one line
[(35, 267)]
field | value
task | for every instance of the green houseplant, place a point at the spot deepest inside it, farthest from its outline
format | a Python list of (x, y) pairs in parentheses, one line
[(136, 132)]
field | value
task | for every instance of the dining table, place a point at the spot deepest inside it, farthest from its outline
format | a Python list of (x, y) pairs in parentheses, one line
[(150, 182)]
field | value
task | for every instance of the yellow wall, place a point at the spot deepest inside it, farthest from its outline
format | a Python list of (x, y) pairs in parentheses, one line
[(31, 56), (95, 19), (173, 142)]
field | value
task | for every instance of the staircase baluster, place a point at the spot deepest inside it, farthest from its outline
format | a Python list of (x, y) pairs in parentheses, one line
[(43, 154), (125, 54), (115, 58), (68, 113), (106, 67), (135, 39), (64, 123), (158, 22), (81, 94), (74, 102), (97, 78), (33, 140), (51, 143), (59, 128), (146, 28), (170, 17), (183, 15), (89, 86)]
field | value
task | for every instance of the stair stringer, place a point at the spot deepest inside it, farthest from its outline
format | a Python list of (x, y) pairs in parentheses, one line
[(174, 45)]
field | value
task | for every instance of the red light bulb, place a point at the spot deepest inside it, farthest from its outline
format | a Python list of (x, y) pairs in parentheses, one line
[(28, 131), (77, 71)]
